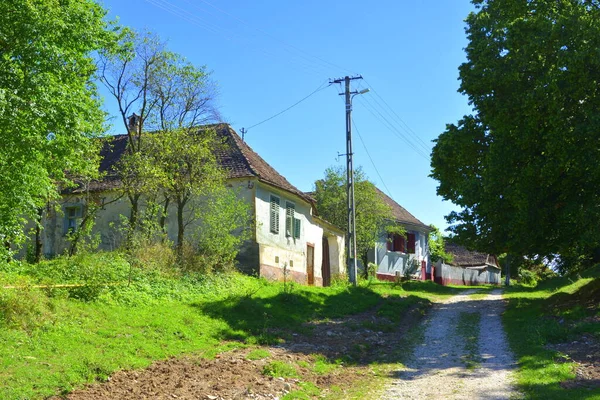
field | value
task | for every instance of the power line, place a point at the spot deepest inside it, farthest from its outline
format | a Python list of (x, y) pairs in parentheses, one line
[(377, 114), (371, 158), (426, 146), (321, 87)]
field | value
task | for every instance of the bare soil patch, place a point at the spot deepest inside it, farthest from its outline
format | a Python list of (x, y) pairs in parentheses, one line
[(351, 343), (585, 352)]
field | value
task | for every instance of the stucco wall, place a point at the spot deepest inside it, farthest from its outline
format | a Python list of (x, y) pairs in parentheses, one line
[(390, 262), (277, 250)]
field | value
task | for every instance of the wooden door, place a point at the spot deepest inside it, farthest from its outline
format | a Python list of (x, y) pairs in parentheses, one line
[(310, 264), (325, 267)]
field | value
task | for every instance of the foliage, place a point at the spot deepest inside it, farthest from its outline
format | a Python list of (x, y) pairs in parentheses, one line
[(437, 250), (49, 109), (527, 278), (26, 309), (278, 369), (373, 215), (522, 167)]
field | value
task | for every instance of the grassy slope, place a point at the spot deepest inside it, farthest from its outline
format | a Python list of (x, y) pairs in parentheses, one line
[(553, 312), (69, 341)]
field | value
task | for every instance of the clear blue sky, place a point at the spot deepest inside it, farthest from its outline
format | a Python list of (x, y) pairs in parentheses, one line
[(266, 55)]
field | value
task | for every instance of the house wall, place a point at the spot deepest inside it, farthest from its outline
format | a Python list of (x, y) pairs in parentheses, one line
[(455, 275), (390, 262), (278, 252)]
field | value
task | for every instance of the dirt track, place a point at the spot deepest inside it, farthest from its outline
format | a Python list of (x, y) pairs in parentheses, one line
[(438, 368)]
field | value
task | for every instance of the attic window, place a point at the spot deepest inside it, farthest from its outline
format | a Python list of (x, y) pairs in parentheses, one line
[(274, 216), (290, 209)]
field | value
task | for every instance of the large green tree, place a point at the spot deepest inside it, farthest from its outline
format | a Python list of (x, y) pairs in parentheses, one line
[(524, 167), (373, 215), (48, 104)]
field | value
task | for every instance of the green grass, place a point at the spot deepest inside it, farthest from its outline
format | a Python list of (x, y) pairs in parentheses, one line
[(550, 313), (280, 369), (258, 354), (55, 340), (468, 328)]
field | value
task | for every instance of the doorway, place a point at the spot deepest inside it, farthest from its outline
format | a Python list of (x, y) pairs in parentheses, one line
[(310, 264), (325, 266)]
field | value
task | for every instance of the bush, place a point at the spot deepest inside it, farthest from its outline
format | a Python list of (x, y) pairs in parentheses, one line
[(527, 278), (24, 308)]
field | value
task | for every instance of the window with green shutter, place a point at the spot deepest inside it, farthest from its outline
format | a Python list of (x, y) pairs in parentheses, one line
[(289, 218), (296, 228), (274, 217)]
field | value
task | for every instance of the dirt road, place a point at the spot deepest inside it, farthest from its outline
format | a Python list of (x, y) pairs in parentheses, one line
[(453, 361)]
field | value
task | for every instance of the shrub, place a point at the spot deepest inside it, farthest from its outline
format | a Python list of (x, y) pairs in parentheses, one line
[(24, 308), (527, 277)]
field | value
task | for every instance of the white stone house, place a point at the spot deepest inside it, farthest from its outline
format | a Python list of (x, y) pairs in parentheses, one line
[(394, 254), (287, 238)]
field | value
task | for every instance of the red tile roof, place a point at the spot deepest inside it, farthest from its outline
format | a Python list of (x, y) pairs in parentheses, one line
[(400, 213), (463, 257), (237, 158)]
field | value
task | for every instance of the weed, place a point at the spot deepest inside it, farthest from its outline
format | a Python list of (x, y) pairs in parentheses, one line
[(280, 369), (468, 328), (258, 354)]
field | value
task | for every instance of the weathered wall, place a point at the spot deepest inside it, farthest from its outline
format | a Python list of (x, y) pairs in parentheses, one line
[(390, 262), (278, 250), (452, 275)]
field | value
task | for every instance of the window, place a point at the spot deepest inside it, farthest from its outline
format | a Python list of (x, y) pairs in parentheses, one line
[(274, 218), (396, 242), (72, 217), (290, 209)]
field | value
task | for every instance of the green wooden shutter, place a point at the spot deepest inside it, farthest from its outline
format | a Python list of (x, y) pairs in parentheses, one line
[(296, 228), (274, 217), (289, 218)]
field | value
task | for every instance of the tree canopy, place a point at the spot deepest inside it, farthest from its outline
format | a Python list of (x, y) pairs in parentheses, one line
[(373, 215), (49, 108), (523, 168)]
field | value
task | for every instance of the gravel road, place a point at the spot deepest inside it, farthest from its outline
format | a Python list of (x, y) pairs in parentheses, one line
[(438, 367)]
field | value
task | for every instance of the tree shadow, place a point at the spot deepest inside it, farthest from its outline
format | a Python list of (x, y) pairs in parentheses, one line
[(356, 326)]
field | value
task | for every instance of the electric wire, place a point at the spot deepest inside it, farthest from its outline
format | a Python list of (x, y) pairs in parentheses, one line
[(385, 121), (321, 87), (275, 38), (426, 146), (308, 66), (371, 159)]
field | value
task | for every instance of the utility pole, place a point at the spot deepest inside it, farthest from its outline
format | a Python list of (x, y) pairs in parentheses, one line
[(351, 234), (243, 133)]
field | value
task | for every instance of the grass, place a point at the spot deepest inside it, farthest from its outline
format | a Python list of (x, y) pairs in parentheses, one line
[(57, 339), (553, 312), (468, 327)]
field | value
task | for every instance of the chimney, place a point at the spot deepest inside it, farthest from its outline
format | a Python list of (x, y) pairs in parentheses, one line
[(134, 122)]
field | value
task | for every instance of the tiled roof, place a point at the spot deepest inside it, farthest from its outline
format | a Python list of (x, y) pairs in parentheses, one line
[(463, 257), (400, 213), (237, 158)]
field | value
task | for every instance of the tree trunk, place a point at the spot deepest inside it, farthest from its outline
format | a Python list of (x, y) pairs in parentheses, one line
[(163, 217), (38, 236), (507, 277), (133, 218), (180, 227)]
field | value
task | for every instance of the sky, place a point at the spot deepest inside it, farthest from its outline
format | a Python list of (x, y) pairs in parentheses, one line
[(267, 55)]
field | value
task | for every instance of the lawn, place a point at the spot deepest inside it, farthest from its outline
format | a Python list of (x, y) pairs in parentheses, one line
[(540, 320), (57, 339)]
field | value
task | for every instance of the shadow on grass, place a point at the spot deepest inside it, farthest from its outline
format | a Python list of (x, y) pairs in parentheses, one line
[(536, 324), (352, 325)]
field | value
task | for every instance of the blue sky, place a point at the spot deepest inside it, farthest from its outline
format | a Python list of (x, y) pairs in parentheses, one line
[(267, 55)]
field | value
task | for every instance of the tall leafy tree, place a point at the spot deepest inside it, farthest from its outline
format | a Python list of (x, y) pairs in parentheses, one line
[(523, 168), (49, 108), (373, 215)]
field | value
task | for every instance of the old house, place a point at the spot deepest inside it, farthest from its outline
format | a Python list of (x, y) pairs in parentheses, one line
[(401, 254), (287, 236), (467, 267)]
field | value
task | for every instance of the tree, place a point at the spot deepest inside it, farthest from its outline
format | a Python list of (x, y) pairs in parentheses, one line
[(523, 168), (158, 91), (49, 109), (373, 215), (436, 244)]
